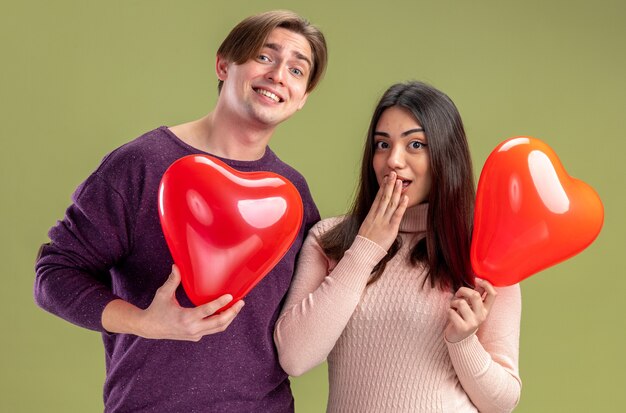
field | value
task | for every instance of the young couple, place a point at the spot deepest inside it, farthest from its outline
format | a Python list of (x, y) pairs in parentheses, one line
[(385, 293)]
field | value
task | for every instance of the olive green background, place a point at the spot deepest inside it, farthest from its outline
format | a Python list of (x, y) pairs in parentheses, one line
[(80, 78)]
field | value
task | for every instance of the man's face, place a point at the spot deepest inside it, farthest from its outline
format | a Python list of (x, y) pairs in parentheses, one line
[(270, 87)]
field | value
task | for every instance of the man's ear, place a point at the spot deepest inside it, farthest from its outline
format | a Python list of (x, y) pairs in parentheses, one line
[(221, 67), (303, 101)]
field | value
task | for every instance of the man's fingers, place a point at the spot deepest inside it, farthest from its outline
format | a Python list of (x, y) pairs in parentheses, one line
[(175, 275), (219, 322), (210, 308), (171, 284)]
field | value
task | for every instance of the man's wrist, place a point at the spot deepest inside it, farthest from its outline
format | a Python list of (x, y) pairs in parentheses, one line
[(122, 317)]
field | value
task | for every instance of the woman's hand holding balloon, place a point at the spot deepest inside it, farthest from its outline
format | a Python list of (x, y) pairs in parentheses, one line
[(383, 220), (468, 310)]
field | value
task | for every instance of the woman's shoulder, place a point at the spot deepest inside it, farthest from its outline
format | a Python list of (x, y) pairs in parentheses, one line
[(326, 225), (510, 293)]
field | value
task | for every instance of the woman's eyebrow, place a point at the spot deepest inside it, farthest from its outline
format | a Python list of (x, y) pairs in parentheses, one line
[(410, 131), (403, 134)]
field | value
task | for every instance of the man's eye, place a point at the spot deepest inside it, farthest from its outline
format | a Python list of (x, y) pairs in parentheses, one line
[(264, 58), (297, 71)]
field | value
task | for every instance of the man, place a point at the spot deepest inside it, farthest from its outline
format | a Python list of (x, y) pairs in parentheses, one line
[(106, 267)]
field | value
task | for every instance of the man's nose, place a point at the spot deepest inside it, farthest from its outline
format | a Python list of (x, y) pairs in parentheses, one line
[(277, 74)]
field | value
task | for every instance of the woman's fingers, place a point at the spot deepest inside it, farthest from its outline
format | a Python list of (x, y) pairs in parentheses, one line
[(399, 212), (490, 291), (388, 198), (473, 298), (379, 194), (387, 188), (394, 201), (469, 308), (391, 198), (383, 219), (462, 307)]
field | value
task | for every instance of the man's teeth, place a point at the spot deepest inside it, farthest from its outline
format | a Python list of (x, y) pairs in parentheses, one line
[(268, 94)]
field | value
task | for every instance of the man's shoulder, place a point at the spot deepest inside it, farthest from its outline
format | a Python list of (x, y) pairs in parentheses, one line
[(142, 161), (154, 150), (276, 165), (152, 143)]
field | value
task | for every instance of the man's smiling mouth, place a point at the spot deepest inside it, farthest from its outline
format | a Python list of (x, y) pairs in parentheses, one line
[(268, 94)]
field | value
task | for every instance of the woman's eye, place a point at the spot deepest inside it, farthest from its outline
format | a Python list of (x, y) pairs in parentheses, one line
[(382, 145), (416, 145)]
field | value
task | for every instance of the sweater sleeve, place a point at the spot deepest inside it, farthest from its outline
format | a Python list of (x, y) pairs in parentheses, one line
[(319, 305), (72, 271), (487, 362)]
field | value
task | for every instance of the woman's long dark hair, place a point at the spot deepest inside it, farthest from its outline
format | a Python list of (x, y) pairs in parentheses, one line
[(446, 248)]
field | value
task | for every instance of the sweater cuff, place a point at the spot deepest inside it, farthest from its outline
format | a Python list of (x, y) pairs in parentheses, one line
[(356, 266), (90, 314), (468, 356), (367, 250)]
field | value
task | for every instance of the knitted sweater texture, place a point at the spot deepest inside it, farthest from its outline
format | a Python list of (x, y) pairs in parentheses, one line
[(110, 245), (385, 343)]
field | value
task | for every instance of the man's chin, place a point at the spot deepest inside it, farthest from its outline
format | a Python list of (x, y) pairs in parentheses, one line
[(271, 119)]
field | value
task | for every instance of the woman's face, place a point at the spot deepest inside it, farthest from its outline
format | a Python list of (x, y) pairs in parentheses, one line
[(402, 147)]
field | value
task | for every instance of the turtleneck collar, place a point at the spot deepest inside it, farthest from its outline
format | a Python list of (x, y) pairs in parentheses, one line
[(414, 219)]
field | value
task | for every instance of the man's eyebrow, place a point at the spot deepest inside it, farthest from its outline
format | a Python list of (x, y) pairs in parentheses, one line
[(297, 54), (403, 134)]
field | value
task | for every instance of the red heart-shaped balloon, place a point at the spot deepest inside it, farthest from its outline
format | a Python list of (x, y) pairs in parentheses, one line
[(225, 229), (530, 214)]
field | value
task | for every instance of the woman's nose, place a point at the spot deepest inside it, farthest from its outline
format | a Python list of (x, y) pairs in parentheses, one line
[(396, 158)]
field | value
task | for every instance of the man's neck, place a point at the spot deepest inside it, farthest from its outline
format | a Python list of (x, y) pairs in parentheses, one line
[(222, 137)]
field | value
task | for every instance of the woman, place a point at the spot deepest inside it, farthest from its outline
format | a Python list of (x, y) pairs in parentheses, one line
[(387, 294)]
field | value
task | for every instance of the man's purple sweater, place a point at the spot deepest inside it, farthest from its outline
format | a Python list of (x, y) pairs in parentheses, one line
[(110, 245)]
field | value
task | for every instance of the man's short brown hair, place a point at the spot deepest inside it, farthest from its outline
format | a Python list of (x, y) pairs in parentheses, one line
[(246, 39)]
